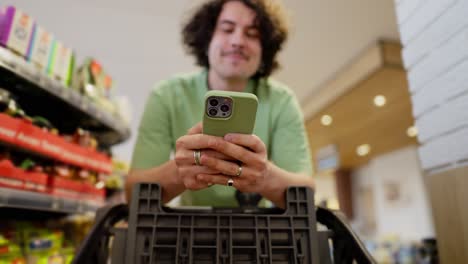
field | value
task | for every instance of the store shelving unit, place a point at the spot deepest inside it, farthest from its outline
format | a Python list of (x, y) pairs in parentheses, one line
[(40, 95), (10, 198), (21, 134), (67, 109)]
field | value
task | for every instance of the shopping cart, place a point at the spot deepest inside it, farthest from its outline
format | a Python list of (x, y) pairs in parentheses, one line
[(158, 234)]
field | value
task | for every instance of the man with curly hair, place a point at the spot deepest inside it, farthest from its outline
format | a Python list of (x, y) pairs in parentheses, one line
[(236, 43)]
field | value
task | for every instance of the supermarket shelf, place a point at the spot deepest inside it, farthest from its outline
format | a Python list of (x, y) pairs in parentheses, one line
[(22, 134), (67, 109), (17, 199)]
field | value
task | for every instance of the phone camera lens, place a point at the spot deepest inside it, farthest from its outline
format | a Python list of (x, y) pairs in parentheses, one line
[(213, 102), (213, 112), (224, 108)]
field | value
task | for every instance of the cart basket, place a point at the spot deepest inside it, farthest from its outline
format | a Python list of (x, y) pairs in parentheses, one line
[(299, 234)]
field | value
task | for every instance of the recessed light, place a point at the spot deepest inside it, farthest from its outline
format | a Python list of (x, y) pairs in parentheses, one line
[(412, 131), (380, 100), (326, 120), (363, 149)]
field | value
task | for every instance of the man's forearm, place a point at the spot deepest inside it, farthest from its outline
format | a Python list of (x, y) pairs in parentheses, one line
[(279, 181), (166, 175)]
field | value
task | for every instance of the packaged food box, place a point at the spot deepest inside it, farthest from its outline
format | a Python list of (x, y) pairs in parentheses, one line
[(41, 48), (16, 30), (62, 63)]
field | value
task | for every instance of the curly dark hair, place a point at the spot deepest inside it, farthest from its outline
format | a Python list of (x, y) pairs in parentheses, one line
[(270, 20)]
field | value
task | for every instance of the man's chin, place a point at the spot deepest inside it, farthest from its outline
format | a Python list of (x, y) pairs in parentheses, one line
[(237, 75)]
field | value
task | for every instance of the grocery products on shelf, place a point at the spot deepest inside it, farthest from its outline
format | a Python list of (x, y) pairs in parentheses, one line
[(58, 123), (75, 169), (62, 63), (115, 182), (38, 135), (27, 84), (38, 242), (91, 80), (24, 36), (41, 48), (16, 30), (21, 34), (51, 179)]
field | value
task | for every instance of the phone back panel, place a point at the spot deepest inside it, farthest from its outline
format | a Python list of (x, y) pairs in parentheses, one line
[(241, 120)]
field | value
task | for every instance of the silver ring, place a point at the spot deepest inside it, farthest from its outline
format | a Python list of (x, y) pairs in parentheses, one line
[(239, 171), (196, 156), (230, 182)]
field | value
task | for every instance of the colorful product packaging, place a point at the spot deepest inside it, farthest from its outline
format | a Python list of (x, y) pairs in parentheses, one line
[(62, 63), (16, 30), (43, 247), (89, 80), (10, 253), (41, 48)]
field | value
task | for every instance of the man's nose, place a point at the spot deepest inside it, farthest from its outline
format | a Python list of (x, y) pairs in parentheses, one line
[(238, 38)]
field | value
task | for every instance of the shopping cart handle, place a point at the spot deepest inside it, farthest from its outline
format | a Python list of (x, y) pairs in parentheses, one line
[(94, 249), (91, 250), (347, 245)]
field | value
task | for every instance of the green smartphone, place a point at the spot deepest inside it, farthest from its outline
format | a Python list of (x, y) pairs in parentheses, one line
[(229, 112)]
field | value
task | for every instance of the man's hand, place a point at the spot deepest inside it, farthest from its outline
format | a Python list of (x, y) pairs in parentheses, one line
[(185, 160), (242, 158), (251, 154)]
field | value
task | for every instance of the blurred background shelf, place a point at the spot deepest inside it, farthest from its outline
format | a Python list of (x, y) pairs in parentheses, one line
[(20, 134), (64, 107), (36, 204)]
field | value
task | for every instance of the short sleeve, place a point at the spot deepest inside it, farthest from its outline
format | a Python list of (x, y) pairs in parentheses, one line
[(153, 143), (290, 146)]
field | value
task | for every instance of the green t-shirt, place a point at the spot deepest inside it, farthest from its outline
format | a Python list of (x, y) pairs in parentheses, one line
[(175, 105)]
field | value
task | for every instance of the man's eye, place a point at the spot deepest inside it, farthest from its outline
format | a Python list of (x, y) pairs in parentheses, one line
[(226, 29), (252, 33)]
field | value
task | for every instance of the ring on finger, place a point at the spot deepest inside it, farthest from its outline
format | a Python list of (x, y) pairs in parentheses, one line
[(230, 182), (239, 170), (196, 157)]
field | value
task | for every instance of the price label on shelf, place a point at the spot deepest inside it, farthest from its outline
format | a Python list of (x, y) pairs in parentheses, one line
[(55, 204), (80, 207)]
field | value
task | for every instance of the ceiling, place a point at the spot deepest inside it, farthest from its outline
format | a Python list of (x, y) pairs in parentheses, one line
[(138, 41), (357, 121)]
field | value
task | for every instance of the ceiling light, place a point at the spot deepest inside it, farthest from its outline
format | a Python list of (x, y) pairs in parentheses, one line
[(380, 100), (412, 131), (363, 150), (326, 120)]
